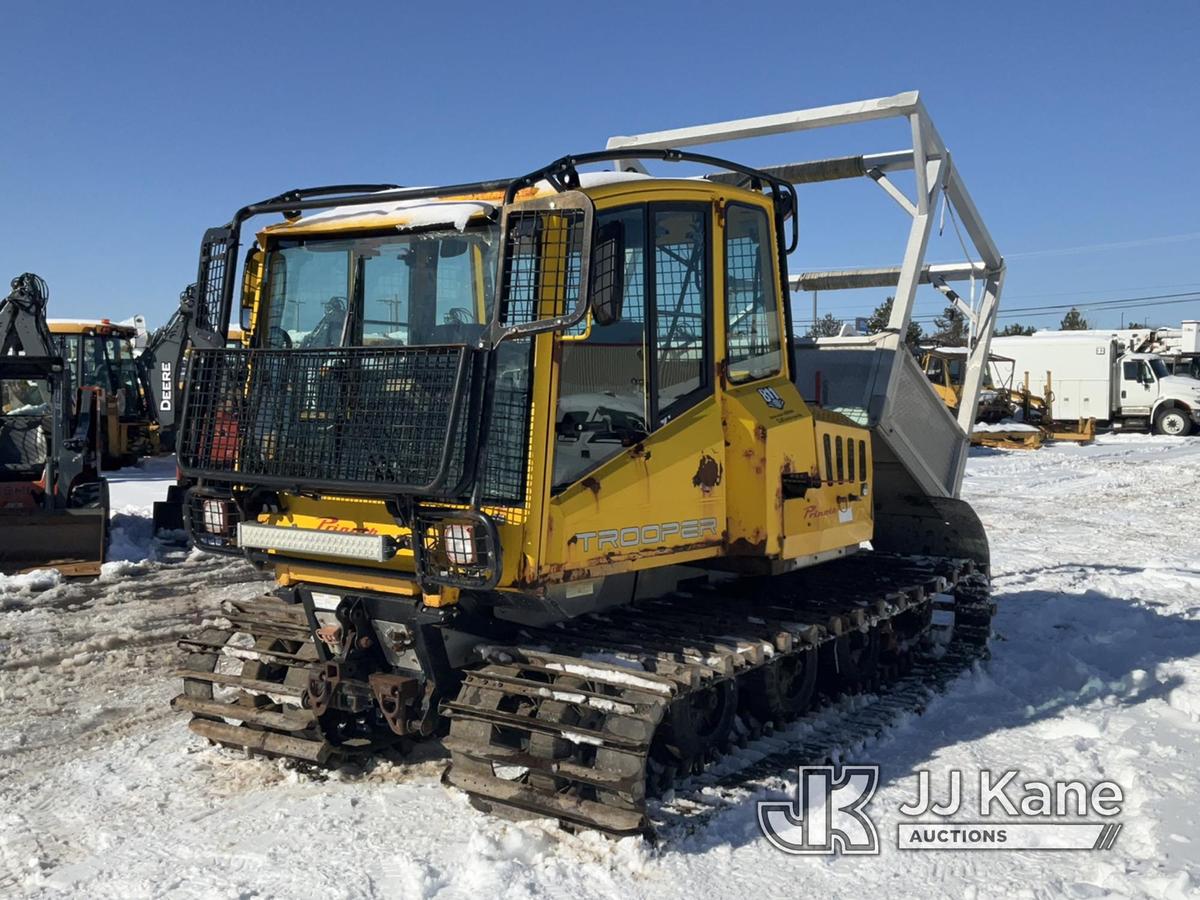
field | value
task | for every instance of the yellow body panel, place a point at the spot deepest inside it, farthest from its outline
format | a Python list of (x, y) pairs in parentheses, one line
[(948, 394), (661, 501)]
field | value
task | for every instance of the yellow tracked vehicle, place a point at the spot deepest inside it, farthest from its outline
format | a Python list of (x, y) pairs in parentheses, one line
[(530, 463), (1000, 404)]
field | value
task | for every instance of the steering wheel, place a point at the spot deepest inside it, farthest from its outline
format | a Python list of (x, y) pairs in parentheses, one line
[(459, 315), (276, 335)]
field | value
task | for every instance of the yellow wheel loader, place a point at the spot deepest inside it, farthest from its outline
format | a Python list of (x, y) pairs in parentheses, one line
[(53, 502), (532, 463)]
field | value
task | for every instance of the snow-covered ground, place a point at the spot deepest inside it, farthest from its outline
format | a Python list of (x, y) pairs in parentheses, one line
[(1095, 674)]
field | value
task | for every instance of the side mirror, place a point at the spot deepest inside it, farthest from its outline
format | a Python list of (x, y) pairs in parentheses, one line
[(608, 274), (251, 277)]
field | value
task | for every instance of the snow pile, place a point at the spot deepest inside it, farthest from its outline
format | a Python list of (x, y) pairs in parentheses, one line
[(1006, 427), (27, 583), (1095, 674)]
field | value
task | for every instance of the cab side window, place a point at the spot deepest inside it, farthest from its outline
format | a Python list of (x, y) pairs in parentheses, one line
[(934, 371), (602, 399), (680, 308), (751, 296)]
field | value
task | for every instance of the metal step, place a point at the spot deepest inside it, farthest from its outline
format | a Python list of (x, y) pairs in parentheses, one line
[(207, 644), (269, 689), (267, 742), (252, 715)]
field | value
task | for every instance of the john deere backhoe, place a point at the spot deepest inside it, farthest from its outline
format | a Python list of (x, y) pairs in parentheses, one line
[(53, 502), (99, 355), (532, 464)]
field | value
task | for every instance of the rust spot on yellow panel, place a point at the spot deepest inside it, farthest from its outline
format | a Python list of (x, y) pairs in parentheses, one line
[(708, 474)]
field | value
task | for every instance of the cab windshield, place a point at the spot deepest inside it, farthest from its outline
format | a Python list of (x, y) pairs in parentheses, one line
[(434, 287), (24, 423), (1159, 368)]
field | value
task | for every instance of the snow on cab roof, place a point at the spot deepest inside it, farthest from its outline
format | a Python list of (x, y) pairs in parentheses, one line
[(427, 213)]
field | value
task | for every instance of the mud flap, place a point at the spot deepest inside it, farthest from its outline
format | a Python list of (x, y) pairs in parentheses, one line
[(932, 526), (72, 541)]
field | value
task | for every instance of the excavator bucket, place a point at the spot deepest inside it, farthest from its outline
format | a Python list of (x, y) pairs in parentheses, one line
[(70, 540)]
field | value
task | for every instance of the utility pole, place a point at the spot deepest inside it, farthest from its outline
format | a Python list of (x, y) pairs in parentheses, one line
[(814, 315)]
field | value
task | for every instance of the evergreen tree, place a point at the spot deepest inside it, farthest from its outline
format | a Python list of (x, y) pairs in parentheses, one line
[(1015, 329), (879, 320), (1074, 321), (951, 328), (826, 326)]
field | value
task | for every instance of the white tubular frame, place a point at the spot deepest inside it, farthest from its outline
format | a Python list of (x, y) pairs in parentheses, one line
[(935, 176)]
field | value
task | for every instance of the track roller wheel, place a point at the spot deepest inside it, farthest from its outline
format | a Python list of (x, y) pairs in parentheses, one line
[(784, 689), (698, 726), (849, 663)]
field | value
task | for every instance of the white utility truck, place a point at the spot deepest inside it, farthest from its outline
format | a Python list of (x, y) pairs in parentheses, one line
[(1092, 377)]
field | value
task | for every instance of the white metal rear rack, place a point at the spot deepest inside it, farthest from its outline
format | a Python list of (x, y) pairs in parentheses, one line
[(914, 430)]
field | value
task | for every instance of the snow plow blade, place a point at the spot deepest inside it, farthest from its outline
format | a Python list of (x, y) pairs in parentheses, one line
[(72, 541)]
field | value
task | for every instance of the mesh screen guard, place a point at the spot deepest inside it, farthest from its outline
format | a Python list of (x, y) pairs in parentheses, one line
[(385, 420), (545, 264)]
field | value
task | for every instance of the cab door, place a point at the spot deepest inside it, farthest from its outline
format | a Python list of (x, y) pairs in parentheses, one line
[(639, 448), (1138, 388)]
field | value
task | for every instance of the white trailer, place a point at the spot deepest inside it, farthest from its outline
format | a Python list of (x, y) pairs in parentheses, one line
[(1092, 377)]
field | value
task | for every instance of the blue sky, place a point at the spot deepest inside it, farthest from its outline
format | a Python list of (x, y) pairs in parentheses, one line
[(132, 127)]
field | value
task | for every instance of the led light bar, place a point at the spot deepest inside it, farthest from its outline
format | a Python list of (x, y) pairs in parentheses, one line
[(372, 547)]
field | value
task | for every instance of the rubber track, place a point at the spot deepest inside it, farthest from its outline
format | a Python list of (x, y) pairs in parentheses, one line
[(576, 710), (834, 733), (562, 726), (244, 685)]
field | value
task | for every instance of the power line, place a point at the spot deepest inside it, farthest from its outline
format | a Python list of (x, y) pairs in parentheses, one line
[(1084, 307), (1117, 301), (1115, 245), (1141, 302)]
